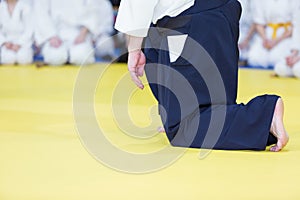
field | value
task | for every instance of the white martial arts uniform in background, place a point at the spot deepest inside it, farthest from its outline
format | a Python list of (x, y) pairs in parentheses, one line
[(16, 29), (271, 13), (103, 41), (66, 19), (246, 23), (282, 68)]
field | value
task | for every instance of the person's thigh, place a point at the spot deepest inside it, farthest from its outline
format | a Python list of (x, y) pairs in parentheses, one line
[(55, 56), (296, 69), (82, 53), (281, 69), (258, 55), (25, 55), (8, 56), (280, 51)]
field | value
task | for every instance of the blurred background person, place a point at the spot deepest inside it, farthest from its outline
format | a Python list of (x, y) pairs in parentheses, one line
[(247, 29), (104, 43), (273, 24), (64, 30), (120, 39), (290, 66), (16, 32)]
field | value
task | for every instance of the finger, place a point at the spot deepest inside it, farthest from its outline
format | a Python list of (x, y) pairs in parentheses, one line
[(134, 77), (141, 65), (136, 80)]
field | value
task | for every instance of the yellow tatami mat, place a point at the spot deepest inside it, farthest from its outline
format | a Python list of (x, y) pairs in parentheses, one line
[(42, 156)]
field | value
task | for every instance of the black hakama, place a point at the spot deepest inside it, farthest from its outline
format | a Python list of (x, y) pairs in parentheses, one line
[(215, 121)]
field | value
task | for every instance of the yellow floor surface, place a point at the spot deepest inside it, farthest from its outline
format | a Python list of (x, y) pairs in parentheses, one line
[(43, 158)]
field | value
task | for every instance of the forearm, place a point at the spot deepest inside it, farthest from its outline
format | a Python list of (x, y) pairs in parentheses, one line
[(295, 52), (286, 35), (261, 31), (84, 30), (251, 32), (2, 39), (134, 43)]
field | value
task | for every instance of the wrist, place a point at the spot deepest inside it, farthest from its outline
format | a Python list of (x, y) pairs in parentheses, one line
[(280, 39), (134, 44), (247, 39), (84, 30), (295, 52), (134, 51)]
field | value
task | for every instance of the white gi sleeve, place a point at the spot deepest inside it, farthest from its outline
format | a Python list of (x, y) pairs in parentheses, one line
[(105, 14), (135, 16), (258, 12), (26, 38), (89, 17), (2, 37), (296, 24), (45, 27)]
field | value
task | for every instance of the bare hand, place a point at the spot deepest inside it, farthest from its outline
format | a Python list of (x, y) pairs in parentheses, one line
[(8, 45), (273, 43), (16, 47), (244, 44), (55, 42), (292, 59), (136, 65), (270, 44)]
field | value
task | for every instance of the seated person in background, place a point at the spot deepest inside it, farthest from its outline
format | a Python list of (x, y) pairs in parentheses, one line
[(103, 41), (16, 32), (290, 66), (273, 23), (64, 30), (247, 29)]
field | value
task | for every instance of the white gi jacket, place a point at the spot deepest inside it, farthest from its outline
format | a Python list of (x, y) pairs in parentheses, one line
[(296, 24), (17, 28), (135, 16), (276, 16), (105, 15), (64, 18)]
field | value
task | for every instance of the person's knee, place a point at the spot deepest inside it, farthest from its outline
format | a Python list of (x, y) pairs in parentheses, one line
[(8, 57), (275, 58), (281, 69), (25, 56), (257, 59), (104, 46), (57, 56), (82, 55), (296, 70)]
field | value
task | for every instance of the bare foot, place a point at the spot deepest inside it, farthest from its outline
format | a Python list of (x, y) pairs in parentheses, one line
[(161, 129), (277, 127)]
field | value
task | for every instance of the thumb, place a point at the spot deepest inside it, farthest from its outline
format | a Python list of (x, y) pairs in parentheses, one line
[(140, 70)]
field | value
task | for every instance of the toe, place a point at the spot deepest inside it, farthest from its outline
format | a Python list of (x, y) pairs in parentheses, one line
[(161, 130), (275, 148)]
